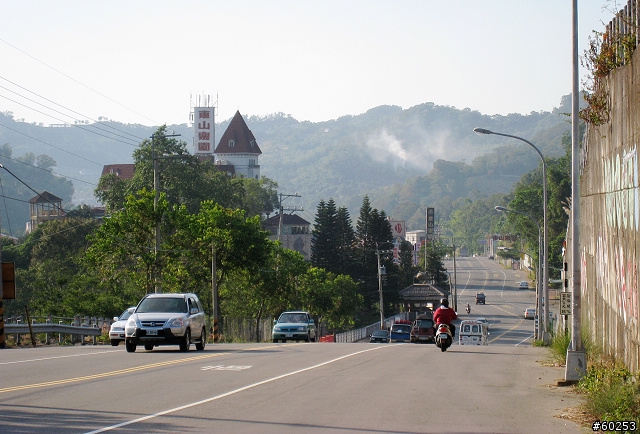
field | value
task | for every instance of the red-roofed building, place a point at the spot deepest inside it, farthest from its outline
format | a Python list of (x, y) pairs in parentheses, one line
[(239, 150), (124, 171)]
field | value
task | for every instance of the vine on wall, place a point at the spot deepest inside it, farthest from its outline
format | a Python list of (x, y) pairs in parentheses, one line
[(607, 51)]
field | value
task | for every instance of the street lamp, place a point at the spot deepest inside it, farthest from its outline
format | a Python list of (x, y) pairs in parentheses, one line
[(539, 270), (545, 255)]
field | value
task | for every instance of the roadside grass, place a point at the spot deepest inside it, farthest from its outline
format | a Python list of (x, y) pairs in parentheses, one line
[(612, 392)]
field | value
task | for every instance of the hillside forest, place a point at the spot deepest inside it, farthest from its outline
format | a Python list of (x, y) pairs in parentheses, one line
[(82, 265)]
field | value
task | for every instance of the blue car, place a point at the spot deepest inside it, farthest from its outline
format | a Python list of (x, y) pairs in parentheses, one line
[(400, 333)]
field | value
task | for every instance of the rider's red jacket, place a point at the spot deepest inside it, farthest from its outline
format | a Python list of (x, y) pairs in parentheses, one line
[(444, 315)]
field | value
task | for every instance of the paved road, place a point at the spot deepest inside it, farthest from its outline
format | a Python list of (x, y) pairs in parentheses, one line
[(316, 388), (505, 302)]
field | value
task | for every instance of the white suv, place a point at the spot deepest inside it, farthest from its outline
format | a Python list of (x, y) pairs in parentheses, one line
[(166, 319)]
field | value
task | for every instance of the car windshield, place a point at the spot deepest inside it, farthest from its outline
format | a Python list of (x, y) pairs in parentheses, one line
[(424, 323), (167, 305), (125, 315), (401, 329), (293, 317), (380, 333)]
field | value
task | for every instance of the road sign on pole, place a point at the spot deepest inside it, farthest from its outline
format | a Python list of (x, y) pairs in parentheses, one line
[(565, 303)]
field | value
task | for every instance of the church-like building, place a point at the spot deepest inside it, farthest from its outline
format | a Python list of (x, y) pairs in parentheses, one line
[(237, 151)]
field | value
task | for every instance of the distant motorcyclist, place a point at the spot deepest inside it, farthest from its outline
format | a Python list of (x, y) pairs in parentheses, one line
[(468, 308), (444, 315)]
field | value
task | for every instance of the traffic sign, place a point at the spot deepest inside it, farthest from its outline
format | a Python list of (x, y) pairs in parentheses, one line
[(565, 303)]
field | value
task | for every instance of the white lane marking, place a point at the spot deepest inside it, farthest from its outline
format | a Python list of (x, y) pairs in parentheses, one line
[(233, 392), (224, 368), (58, 357)]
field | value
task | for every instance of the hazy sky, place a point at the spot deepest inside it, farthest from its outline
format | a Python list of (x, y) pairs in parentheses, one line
[(146, 61)]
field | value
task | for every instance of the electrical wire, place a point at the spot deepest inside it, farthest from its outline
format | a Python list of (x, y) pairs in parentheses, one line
[(49, 171), (5, 207), (76, 81), (74, 125)]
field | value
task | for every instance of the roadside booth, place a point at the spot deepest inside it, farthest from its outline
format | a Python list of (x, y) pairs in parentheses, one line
[(473, 332)]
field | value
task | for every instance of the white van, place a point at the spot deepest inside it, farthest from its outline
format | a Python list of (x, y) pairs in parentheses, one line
[(473, 332)]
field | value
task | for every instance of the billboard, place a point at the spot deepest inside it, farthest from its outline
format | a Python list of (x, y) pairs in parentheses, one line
[(203, 130), (398, 228), (430, 223)]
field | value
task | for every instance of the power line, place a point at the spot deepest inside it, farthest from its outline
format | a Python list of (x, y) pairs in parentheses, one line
[(74, 125), (76, 81), (49, 144), (66, 108), (48, 171)]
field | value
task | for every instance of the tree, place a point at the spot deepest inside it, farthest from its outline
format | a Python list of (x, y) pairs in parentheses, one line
[(52, 285)]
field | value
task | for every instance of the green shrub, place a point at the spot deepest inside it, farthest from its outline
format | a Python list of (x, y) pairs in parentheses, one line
[(612, 392), (559, 345)]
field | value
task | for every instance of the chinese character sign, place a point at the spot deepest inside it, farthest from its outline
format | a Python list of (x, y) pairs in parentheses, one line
[(397, 228), (203, 129)]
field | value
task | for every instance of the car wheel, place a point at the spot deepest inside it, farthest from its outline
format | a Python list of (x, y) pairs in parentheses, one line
[(203, 340), (185, 343), (308, 338), (131, 345), (275, 341), (148, 347), (114, 342)]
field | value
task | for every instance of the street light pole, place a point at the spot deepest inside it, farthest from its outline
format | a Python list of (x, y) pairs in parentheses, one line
[(545, 254), (538, 271)]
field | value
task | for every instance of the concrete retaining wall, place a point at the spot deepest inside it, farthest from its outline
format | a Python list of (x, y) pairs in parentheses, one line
[(610, 220)]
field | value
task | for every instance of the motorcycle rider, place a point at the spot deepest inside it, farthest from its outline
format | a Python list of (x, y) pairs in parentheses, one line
[(444, 315), (468, 308)]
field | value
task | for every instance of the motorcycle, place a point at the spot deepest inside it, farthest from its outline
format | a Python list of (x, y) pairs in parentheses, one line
[(468, 309), (444, 339)]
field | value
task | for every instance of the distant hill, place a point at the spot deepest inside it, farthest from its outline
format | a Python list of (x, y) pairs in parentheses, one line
[(387, 153)]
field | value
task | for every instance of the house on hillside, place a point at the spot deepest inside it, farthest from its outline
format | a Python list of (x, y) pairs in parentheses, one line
[(124, 171), (44, 207), (292, 230), (237, 152)]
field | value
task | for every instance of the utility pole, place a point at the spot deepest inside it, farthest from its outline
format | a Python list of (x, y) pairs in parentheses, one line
[(281, 210), (378, 252), (156, 188), (455, 280)]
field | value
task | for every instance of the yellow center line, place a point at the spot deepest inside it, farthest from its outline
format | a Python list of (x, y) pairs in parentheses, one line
[(118, 372)]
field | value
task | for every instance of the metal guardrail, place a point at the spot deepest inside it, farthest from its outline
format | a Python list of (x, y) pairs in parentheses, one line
[(364, 332), (23, 329)]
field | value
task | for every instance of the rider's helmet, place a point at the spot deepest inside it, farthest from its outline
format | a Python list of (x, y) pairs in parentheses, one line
[(444, 302)]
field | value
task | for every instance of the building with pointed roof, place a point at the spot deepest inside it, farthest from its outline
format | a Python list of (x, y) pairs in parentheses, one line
[(44, 207), (237, 152)]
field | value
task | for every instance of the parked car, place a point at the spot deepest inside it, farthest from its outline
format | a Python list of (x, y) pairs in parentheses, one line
[(116, 332), (166, 319), (400, 332), (381, 336), (523, 285), (294, 326), (530, 313)]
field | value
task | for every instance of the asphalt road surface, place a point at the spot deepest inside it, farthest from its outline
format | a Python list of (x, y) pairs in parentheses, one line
[(298, 387)]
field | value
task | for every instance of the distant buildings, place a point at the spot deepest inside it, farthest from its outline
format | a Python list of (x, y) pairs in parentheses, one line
[(293, 231), (42, 208)]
